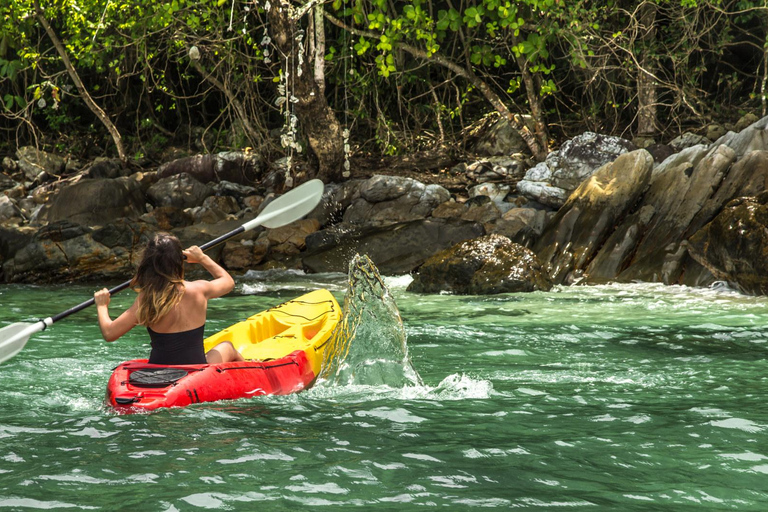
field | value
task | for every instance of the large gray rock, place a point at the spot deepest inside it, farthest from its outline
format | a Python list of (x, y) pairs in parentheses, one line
[(588, 218), (395, 248), (581, 156), (497, 137), (676, 197), (552, 181), (64, 251), (389, 200), (752, 138), (97, 202), (523, 226), (240, 167), (34, 162), (180, 191), (8, 209), (487, 265)]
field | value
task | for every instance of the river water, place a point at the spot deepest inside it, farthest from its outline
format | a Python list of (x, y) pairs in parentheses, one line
[(621, 397)]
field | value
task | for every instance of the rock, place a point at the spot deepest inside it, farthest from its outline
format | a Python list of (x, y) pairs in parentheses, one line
[(498, 137), (449, 210), (734, 244), (485, 212), (10, 166), (495, 169), (97, 202), (581, 156), (746, 121), (129, 235), (715, 131), (34, 163), (336, 199), (245, 254), (676, 197), (688, 139), (239, 167), (13, 238), (752, 138), (291, 239), (487, 265), (180, 191), (580, 228), (395, 249), (543, 193), (523, 226), (109, 168), (167, 218), (496, 192), (8, 209), (6, 182), (64, 251), (391, 200), (551, 182), (236, 190)]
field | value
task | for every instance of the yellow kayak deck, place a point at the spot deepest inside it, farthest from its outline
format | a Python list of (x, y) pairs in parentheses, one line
[(305, 323)]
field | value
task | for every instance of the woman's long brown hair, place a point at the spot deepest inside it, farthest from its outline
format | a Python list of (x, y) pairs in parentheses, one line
[(159, 278)]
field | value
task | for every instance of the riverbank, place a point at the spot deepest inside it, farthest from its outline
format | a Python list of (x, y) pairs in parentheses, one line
[(597, 210)]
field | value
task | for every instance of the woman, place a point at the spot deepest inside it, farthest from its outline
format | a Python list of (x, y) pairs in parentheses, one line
[(172, 309)]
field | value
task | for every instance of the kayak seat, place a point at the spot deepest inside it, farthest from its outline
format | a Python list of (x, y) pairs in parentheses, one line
[(156, 377)]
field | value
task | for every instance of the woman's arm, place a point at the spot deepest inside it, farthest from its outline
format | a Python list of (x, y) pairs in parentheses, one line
[(113, 329), (222, 282)]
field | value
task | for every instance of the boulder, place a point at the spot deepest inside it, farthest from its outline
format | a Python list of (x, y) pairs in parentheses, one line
[(674, 200), (291, 239), (752, 138), (581, 156), (97, 202), (13, 238), (581, 227), (8, 209), (109, 168), (523, 226), (180, 191), (487, 265), (64, 251), (395, 248), (245, 254), (167, 218), (733, 246), (6, 182), (688, 139), (550, 182), (497, 137), (35, 163), (241, 167), (495, 169), (390, 200)]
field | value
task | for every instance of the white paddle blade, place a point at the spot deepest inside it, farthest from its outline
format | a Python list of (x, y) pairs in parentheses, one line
[(13, 338), (289, 207)]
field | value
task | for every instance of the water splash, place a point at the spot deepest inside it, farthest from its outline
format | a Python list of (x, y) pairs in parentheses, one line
[(369, 345)]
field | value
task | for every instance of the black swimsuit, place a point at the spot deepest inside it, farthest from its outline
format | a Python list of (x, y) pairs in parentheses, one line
[(177, 347)]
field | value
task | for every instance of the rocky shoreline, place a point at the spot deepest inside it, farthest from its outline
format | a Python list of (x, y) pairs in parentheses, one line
[(597, 210)]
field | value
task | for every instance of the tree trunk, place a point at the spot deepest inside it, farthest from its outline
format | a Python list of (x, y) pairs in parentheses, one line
[(97, 111), (647, 122), (305, 82)]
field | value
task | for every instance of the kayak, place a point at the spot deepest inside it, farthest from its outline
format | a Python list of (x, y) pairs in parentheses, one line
[(283, 347)]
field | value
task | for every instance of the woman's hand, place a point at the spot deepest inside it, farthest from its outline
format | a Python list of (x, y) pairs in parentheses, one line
[(194, 254), (101, 297)]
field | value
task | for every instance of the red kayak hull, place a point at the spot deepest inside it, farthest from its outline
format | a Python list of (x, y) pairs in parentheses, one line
[(208, 383)]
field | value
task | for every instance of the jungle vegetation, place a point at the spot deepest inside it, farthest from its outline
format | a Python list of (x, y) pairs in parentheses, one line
[(324, 80)]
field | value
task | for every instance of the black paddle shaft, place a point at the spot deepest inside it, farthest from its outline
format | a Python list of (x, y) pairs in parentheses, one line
[(123, 286)]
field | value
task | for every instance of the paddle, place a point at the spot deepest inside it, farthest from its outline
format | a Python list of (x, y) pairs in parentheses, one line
[(287, 208)]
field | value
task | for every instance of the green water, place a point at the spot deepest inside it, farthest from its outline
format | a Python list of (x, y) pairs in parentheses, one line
[(632, 397)]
